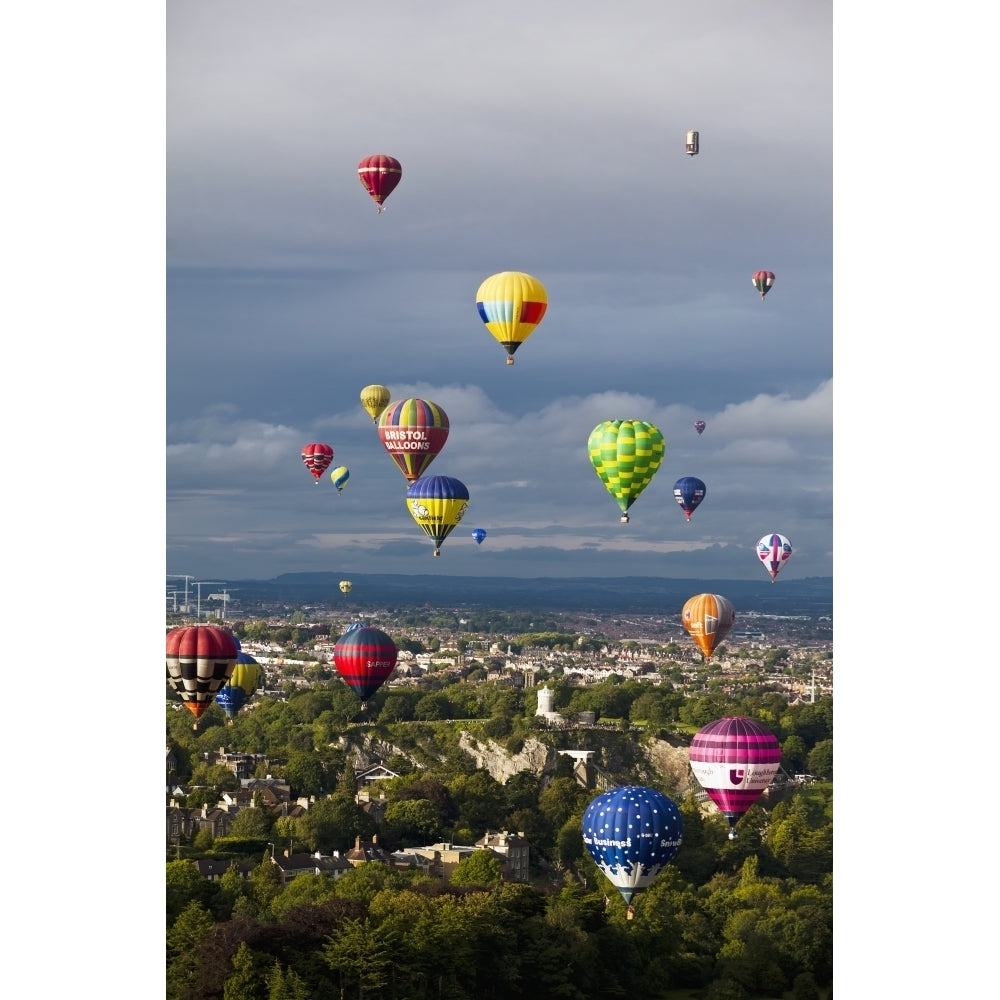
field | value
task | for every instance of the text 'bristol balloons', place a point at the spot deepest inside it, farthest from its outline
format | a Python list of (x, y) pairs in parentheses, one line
[(200, 659), (689, 491), (317, 458), (339, 477), (632, 833), (734, 760), (625, 455), (375, 398), (346, 586), (364, 657), (774, 551), (708, 619), (700, 425), (762, 281), (437, 504), (511, 304), (379, 174), (413, 431), (479, 534)]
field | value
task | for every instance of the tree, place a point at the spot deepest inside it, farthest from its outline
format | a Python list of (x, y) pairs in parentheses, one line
[(305, 774), (362, 954), (820, 760), (248, 977), (481, 867), (251, 824), (413, 821)]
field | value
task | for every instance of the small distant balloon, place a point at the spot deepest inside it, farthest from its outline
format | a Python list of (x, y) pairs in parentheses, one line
[(479, 534), (345, 586), (762, 281), (774, 551), (317, 458), (689, 491), (375, 398), (700, 425), (339, 477), (379, 174), (691, 143)]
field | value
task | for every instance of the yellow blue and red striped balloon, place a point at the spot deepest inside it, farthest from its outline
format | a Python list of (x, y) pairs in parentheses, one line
[(511, 304)]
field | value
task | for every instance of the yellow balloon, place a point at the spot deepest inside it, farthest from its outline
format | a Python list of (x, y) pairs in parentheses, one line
[(375, 398), (511, 304)]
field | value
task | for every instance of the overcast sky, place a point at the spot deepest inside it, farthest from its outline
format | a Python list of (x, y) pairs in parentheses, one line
[(537, 137)]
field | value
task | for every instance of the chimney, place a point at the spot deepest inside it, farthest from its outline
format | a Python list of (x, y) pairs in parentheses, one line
[(357, 842)]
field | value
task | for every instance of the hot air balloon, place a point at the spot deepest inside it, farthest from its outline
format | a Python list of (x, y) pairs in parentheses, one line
[(689, 491), (511, 305), (200, 659), (625, 455), (375, 398), (762, 281), (317, 458), (379, 175), (479, 534), (339, 477), (708, 619), (345, 586), (700, 425), (632, 833), (734, 759), (413, 431), (774, 551), (240, 687), (691, 143), (437, 504), (354, 625), (364, 657)]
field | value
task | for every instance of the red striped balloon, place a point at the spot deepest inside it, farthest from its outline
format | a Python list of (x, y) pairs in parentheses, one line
[(734, 760), (365, 657), (317, 458)]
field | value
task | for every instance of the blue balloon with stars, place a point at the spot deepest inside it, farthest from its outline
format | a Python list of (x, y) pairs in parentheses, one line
[(632, 833)]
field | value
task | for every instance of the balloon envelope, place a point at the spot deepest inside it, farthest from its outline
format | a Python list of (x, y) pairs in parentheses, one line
[(774, 551), (379, 174), (339, 477), (700, 425), (375, 398), (200, 659), (632, 833), (317, 458), (231, 699), (413, 431), (511, 304), (625, 455), (734, 760), (479, 534), (708, 619), (345, 586), (689, 491), (762, 281), (365, 657), (437, 504)]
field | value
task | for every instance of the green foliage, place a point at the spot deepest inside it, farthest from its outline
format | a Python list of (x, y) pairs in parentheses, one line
[(478, 868), (248, 979), (820, 760)]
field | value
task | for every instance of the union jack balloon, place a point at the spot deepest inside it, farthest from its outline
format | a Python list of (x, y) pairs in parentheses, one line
[(774, 551)]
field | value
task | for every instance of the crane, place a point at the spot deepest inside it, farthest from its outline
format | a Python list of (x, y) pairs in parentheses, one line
[(204, 583), (185, 577), (224, 597)]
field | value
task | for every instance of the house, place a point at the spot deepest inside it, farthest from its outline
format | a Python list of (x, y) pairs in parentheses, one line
[(214, 868), (293, 865), (183, 822), (513, 851), (367, 851)]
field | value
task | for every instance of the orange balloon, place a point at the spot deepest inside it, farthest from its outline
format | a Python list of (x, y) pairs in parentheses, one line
[(708, 619)]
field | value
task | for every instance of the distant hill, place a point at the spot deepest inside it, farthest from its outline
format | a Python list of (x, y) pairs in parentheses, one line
[(638, 594)]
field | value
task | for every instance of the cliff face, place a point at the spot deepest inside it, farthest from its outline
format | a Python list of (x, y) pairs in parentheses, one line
[(534, 757)]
